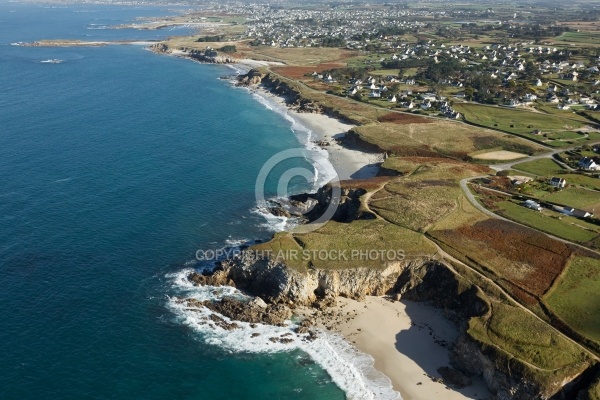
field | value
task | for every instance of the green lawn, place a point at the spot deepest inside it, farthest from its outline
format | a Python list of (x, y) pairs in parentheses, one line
[(568, 228), (385, 72), (566, 135), (542, 167), (582, 180), (515, 121), (549, 109), (575, 197), (575, 297)]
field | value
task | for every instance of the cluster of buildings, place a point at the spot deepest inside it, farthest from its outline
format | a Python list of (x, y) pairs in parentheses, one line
[(377, 88), (517, 74)]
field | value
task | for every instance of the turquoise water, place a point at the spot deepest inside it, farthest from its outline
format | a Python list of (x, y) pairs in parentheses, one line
[(116, 165)]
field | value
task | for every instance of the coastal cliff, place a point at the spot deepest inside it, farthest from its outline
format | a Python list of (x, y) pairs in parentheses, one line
[(292, 95), (422, 280)]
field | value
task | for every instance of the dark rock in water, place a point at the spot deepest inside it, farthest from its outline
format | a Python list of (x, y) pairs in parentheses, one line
[(220, 322), (454, 378), (312, 335), (279, 212), (255, 334), (305, 362), (256, 311), (217, 277)]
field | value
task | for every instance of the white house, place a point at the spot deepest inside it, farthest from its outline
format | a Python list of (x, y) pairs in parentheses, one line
[(588, 163), (557, 182)]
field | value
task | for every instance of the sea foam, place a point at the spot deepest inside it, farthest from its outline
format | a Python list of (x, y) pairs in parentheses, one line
[(350, 369)]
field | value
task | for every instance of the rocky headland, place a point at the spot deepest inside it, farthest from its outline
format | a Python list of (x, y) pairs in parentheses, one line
[(281, 290), (209, 56)]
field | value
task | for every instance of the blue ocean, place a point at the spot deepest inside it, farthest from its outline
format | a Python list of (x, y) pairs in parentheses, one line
[(116, 166)]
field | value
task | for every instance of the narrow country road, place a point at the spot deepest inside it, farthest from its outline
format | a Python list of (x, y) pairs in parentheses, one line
[(465, 188)]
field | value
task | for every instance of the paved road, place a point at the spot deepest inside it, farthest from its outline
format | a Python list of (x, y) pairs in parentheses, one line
[(465, 188), (550, 154)]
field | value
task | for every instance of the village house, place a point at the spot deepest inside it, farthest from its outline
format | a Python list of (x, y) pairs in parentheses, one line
[(557, 182), (589, 164), (573, 212)]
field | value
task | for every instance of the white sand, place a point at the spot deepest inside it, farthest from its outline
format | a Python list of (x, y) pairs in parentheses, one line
[(404, 340), (402, 337), (349, 164)]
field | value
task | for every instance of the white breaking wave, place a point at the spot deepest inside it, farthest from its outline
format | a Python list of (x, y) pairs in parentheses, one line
[(274, 223), (318, 157), (351, 370), (236, 242)]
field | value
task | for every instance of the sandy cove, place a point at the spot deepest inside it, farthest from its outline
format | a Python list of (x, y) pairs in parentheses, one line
[(408, 341), (348, 163)]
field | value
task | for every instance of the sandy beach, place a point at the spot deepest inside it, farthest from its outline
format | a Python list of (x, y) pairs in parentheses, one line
[(408, 342), (348, 163)]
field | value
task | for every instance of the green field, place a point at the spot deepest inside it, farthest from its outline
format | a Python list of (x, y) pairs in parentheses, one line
[(526, 338), (542, 167), (336, 237), (575, 297), (568, 228), (441, 136), (552, 109), (519, 122), (582, 180), (385, 72), (580, 37), (575, 197)]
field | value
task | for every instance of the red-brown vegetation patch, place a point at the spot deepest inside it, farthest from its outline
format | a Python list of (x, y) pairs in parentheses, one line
[(295, 72), (527, 259), (500, 183), (401, 118)]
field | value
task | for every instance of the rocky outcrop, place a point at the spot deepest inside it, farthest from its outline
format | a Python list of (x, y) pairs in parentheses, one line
[(349, 206), (160, 48), (209, 56), (255, 311), (253, 77), (275, 282)]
